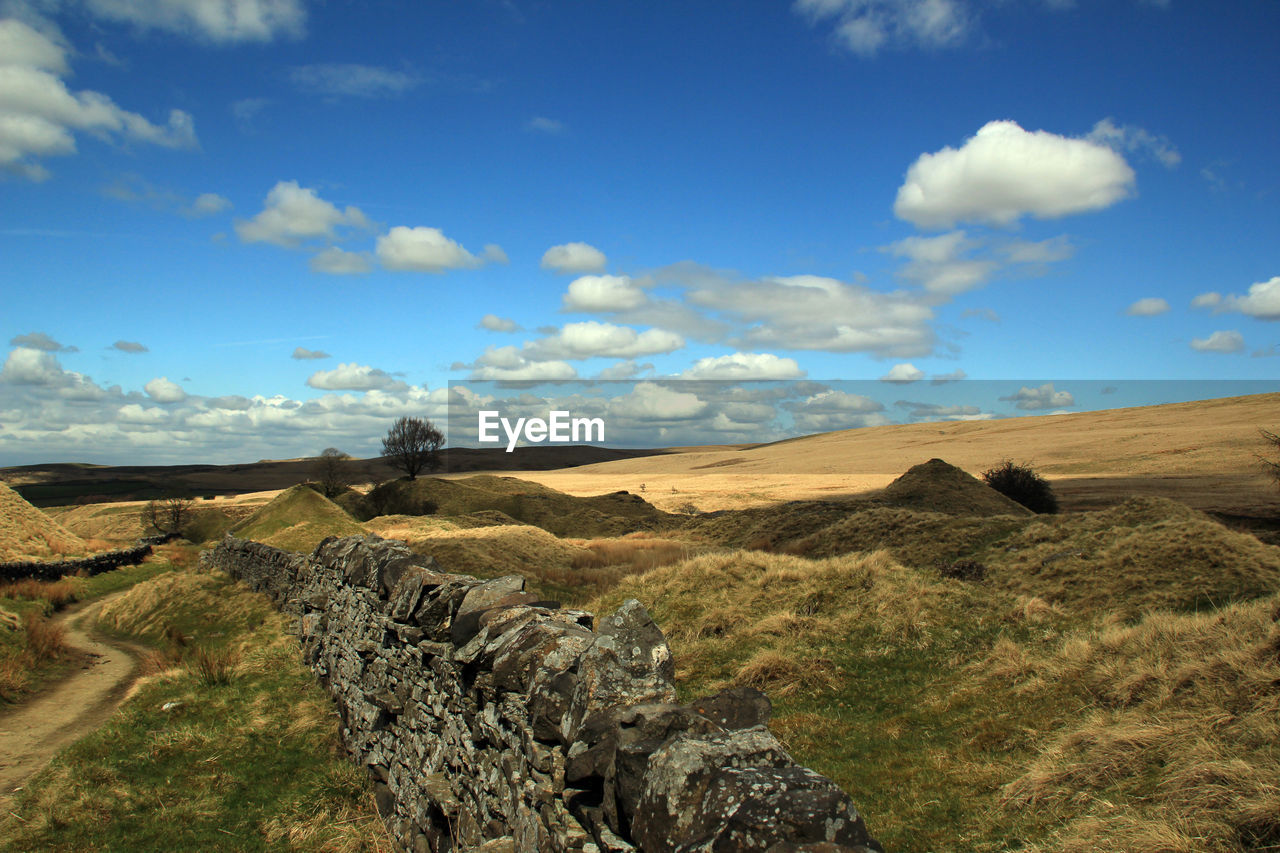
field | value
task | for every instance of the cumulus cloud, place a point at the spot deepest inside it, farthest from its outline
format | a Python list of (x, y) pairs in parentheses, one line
[(337, 79), (574, 258), (943, 378), (422, 249), (649, 401), (494, 253), (1132, 138), (808, 312), (744, 365), (40, 116), (304, 354), (592, 339), (917, 411), (1262, 301), (1212, 299), (865, 27), (1039, 399), (40, 341), (1221, 341), (129, 347), (494, 323), (335, 261), (292, 214), (609, 293), (625, 370), (902, 374), (1148, 307), (222, 21), (509, 365), (833, 409), (353, 377), (30, 367), (162, 390), (1004, 173), (938, 264)]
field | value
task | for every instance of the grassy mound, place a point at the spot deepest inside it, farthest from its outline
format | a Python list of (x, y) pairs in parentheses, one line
[(1143, 554), (297, 519), (1165, 737), (26, 533), (936, 486), (528, 503)]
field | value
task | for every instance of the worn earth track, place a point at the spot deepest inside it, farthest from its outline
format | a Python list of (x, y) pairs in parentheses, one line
[(32, 732)]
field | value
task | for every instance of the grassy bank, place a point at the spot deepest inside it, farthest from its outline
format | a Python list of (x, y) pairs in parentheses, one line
[(226, 744)]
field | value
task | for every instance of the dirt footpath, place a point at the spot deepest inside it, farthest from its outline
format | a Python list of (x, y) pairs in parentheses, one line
[(32, 732)]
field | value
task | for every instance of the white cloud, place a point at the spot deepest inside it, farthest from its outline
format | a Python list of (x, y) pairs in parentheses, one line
[(1038, 399), (422, 249), (208, 204), (223, 21), (744, 365), (1047, 251), (592, 339), (494, 323), (162, 390), (1132, 138), (1004, 173), (809, 312), (866, 26), (31, 367), (651, 402), (507, 364), (1148, 307), (303, 354), (942, 412), (353, 377), (1262, 301), (624, 370), (493, 253), (1221, 341), (542, 124), (352, 80), (132, 347), (574, 258), (292, 214), (39, 115), (901, 374), (336, 261), (610, 293), (833, 410), (954, 376), (1212, 299), (938, 264)]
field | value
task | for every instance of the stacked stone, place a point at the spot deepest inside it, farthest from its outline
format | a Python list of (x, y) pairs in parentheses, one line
[(491, 719), (97, 564)]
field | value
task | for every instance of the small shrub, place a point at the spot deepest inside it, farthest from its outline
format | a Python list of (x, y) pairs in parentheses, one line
[(45, 640), (962, 570), (1021, 484)]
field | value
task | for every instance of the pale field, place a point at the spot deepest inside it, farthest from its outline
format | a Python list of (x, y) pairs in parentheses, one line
[(1203, 453)]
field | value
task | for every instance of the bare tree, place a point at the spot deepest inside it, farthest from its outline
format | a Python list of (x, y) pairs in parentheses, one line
[(413, 444), (1273, 466), (331, 471), (167, 516)]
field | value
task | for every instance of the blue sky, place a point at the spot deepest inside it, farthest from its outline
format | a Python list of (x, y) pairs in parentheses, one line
[(233, 229)]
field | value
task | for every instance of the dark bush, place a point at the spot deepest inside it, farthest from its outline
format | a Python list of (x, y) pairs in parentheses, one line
[(962, 570), (1020, 483)]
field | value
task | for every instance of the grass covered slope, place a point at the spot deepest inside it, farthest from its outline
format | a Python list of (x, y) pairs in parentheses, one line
[(229, 745), (26, 533), (297, 519), (525, 502)]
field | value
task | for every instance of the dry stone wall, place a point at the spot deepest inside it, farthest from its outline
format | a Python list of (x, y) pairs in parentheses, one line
[(97, 564), (492, 720)]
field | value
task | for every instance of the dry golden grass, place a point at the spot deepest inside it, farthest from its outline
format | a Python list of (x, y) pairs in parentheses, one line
[(39, 642), (755, 618), (26, 533), (1176, 744), (57, 594)]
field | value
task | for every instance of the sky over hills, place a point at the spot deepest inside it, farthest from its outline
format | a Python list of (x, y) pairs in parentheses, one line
[(234, 229)]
